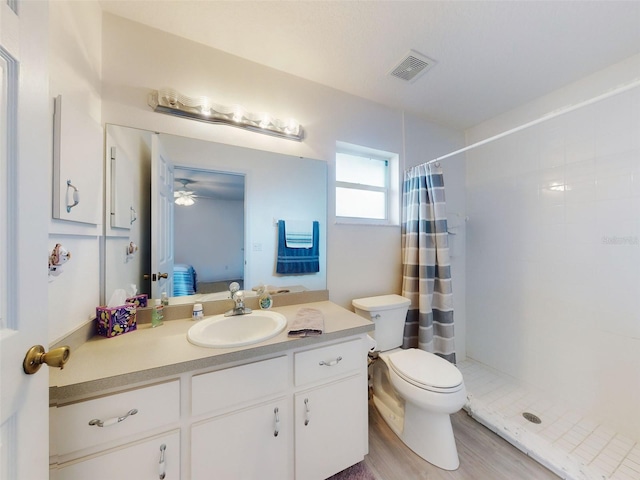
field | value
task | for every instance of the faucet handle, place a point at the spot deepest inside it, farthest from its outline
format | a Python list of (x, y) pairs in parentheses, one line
[(234, 287)]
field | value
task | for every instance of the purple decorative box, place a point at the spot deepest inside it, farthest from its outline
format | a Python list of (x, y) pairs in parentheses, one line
[(116, 320), (138, 300)]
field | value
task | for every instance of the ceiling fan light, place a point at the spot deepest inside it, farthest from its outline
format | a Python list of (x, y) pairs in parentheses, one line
[(182, 193), (184, 200)]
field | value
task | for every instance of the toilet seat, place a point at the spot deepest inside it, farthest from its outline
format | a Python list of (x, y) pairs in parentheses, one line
[(426, 370)]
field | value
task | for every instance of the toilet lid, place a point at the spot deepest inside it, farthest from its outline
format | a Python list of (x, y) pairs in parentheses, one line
[(425, 370), (383, 302)]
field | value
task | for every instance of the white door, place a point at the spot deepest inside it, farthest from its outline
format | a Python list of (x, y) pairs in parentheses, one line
[(25, 209), (161, 220)]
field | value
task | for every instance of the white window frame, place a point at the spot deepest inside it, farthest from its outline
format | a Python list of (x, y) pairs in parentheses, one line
[(391, 188)]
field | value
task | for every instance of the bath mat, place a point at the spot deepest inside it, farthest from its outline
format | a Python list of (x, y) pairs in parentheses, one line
[(359, 471)]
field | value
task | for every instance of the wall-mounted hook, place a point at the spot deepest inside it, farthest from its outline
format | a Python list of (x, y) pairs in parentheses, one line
[(75, 196), (58, 257), (132, 249), (133, 215)]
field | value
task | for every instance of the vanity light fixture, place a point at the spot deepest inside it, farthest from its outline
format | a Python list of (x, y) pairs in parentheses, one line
[(169, 101)]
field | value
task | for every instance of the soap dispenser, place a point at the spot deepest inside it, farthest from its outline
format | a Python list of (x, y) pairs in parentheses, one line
[(264, 298)]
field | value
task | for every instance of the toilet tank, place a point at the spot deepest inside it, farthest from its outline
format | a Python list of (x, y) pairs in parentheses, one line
[(388, 313)]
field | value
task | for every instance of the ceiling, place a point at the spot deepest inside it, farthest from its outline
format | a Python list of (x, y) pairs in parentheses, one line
[(211, 185), (491, 56)]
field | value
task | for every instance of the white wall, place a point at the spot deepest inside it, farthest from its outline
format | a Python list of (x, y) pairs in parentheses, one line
[(75, 41), (362, 260), (209, 235), (553, 257), (138, 59)]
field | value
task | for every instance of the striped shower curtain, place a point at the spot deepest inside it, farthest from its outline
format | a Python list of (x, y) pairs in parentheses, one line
[(426, 277)]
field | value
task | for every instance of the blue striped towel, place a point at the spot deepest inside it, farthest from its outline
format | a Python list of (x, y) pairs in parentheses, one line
[(184, 280), (297, 260)]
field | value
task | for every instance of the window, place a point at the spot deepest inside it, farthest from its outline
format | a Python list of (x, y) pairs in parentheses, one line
[(366, 190)]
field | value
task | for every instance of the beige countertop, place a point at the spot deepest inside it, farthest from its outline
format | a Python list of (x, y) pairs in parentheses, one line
[(104, 364)]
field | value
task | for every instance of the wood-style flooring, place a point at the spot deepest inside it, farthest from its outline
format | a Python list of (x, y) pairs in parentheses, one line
[(483, 455)]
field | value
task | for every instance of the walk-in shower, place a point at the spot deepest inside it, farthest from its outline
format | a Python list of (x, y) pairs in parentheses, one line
[(553, 279)]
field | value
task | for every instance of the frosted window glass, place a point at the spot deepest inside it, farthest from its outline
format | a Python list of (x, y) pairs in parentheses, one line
[(360, 203), (361, 170)]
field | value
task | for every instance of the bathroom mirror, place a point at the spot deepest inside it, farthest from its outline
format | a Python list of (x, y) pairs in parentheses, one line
[(229, 232)]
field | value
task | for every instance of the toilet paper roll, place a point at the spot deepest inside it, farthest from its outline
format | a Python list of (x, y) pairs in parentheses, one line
[(372, 345)]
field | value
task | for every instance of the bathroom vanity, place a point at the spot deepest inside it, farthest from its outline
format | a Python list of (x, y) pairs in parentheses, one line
[(286, 408)]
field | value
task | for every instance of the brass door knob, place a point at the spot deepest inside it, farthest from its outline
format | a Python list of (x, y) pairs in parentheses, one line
[(163, 275), (36, 356)]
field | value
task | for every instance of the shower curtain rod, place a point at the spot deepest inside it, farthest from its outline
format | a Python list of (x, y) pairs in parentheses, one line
[(544, 118)]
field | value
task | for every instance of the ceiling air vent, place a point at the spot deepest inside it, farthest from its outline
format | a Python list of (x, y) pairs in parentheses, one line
[(412, 66)]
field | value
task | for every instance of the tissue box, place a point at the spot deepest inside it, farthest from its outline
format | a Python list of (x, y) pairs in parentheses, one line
[(113, 321), (139, 300)]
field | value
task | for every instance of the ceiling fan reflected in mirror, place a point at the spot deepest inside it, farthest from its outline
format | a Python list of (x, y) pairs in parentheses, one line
[(184, 197)]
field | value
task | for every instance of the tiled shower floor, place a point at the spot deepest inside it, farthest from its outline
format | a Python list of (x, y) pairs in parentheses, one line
[(572, 446)]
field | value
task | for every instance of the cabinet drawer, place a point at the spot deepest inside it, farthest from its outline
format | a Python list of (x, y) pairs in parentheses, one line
[(157, 406), (327, 362), (136, 461), (236, 385)]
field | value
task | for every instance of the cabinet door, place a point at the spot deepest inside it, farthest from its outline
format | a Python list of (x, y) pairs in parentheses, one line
[(331, 428), (77, 161), (244, 445), (122, 210), (143, 460)]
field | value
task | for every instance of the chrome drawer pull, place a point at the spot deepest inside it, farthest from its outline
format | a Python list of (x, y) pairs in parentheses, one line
[(112, 421), (277, 417), (331, 363), (307, 412), (162, 466), (75, 195)]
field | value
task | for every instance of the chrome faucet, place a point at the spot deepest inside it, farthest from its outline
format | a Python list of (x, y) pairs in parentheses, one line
[(237, 296)]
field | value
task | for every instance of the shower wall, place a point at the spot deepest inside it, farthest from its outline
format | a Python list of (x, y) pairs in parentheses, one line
[(553, 249)]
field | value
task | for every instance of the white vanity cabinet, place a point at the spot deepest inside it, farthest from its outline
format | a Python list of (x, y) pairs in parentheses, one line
[(302, 415), (331, 417), (155, 458), (132, 434), (248, 432), (254, 443), (299, 413), (329, 428)]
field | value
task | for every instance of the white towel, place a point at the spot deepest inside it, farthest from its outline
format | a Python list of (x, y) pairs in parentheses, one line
[(298, 233), (308, 321)]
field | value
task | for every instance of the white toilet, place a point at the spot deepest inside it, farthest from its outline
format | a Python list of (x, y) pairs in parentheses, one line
[(414, 391)]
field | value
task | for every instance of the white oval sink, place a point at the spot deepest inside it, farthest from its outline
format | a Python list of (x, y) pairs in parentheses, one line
[(235, 331)]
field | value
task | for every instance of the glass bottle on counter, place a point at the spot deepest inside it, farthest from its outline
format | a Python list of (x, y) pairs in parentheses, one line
[(157, 314)]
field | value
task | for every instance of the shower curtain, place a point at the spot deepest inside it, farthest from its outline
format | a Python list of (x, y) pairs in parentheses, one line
[(426, 278)]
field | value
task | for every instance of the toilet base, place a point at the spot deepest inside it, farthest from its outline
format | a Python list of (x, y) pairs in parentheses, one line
[(430, 435), (393, 419)]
